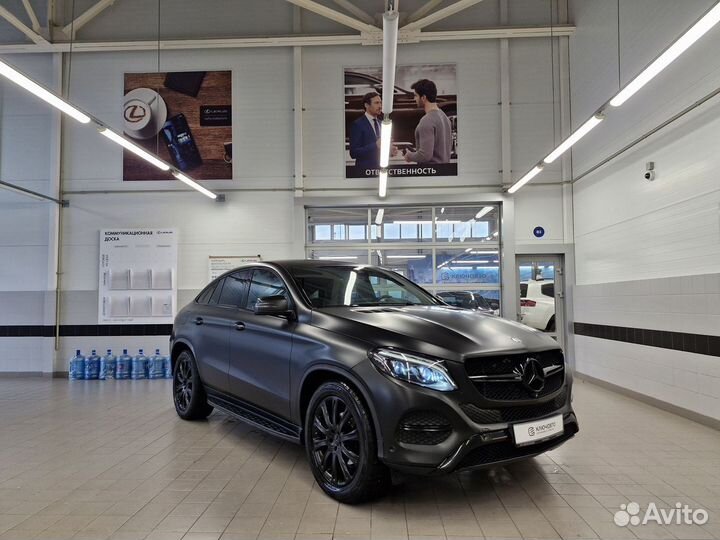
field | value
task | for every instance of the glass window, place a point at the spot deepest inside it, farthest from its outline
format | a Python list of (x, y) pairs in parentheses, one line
[(523, 290), (204, 297), (264, 283), (414, 264), (216, 293), (548, 289), (401, 225), (467, 266), (464, 223), (235, 288), (358, 256), (337, 225), (333, 286)]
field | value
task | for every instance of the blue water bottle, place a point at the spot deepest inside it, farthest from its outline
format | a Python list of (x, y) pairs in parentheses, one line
[(138, 369), (167, 365), (124, 362), (92, 366), (76, 369), (156, 366), (108, 364)]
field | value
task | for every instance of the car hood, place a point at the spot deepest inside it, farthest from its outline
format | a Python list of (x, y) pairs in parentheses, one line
[(443, 331)]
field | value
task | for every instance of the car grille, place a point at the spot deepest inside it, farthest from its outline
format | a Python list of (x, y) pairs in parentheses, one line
[(513, 414), (509, 366), (423, 427), (506, 450)]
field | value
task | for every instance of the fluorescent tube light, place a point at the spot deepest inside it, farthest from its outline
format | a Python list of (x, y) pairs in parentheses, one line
[(390, 38), (525, 179), (135, 149), (385, 139), (695, 32), (46, 95), (486, 210), (575, 137), (484, 252), (193, 184), (406, 256), (382, 184), (340, 258), (349, 288), (379, 216)]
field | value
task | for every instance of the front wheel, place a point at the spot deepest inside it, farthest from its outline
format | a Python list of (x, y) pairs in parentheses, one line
[(188, 392), (340, 445)]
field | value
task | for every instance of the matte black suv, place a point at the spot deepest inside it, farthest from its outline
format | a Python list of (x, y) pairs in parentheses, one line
[(369, 371)]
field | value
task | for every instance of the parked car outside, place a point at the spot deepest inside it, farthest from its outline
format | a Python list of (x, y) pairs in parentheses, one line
[(370, 372), (537, 304)]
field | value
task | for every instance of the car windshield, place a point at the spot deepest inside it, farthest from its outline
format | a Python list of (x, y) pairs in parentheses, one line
[(337, 286)]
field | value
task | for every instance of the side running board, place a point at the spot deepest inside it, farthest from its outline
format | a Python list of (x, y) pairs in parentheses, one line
[(254, 416)]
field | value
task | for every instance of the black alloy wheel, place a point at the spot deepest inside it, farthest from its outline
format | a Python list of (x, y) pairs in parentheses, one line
[(341, 447), (188, 392)]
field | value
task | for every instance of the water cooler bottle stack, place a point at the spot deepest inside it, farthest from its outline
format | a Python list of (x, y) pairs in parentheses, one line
[(121, 367)]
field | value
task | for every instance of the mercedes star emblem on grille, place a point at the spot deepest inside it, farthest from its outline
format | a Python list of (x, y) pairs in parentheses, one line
[(532, 375)]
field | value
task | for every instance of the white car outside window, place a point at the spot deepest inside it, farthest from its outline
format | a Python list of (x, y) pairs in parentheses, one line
[(537, 304)]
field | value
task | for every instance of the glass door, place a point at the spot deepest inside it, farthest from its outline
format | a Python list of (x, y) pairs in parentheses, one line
[(541, 293)]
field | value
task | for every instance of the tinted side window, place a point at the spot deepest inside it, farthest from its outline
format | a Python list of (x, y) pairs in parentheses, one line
[(216, 293), (548, 289), (204, 296), (264, 283), (236, 286)]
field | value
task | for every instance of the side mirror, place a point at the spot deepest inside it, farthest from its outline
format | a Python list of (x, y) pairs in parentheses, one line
[(272, 305)]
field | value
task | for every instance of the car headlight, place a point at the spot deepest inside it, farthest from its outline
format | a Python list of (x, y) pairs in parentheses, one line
[(413, 369)]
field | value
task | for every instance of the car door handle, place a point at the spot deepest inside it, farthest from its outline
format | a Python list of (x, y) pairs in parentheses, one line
[(199, 321), (239, 326)]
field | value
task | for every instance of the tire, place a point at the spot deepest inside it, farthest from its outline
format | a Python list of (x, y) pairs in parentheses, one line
[(550, 325), (341, 445), (188, 393)]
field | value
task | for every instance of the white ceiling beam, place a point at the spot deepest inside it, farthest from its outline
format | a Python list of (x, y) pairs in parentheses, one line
[(293, 41), (426, 8), (352, 8), (333, 15), (17, 23), (87, 16), (31, 13), (440, 14)]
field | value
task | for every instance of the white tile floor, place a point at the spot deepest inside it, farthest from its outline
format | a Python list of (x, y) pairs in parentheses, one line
[(97, 460)]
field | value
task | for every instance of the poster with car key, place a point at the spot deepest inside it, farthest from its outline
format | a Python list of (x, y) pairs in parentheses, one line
[(185, 117), (424, 138)]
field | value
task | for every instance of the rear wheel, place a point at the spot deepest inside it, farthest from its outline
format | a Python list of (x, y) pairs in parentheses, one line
[(341, 446), (188, 392)]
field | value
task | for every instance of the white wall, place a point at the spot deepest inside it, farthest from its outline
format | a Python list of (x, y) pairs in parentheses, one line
[(648, 253)]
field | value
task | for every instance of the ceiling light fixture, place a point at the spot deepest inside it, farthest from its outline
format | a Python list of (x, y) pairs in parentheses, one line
[(46, 95), (406, 256), (340, 258), (525, 179), (193, 184), (379, 216), (382, 183), (385, 140), (680, 45), (484, 211), (575, 137), (134, 148)]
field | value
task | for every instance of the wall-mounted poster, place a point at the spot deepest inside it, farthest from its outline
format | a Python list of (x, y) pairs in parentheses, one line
[(424, 133), (184, 117), (138, 276)]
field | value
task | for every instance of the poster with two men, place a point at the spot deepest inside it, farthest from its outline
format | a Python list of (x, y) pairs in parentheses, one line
[(424, 117)]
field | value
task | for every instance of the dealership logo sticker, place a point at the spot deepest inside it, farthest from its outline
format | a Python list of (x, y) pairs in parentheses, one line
[(630, 514)]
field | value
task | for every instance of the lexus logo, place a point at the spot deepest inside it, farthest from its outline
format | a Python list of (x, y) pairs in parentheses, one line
[(532, 375)]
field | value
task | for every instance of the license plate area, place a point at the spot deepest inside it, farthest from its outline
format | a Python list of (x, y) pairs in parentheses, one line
[(538, 430)]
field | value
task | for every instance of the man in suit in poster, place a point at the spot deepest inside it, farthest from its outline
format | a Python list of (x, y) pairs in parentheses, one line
[(365, 133)]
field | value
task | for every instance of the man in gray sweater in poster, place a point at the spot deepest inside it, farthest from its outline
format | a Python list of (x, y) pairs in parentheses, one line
[(433, 135)]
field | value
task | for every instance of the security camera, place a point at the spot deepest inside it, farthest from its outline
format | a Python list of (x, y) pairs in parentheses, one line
[(649, 171)]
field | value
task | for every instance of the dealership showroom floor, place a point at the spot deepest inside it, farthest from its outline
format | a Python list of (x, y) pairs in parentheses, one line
[(360, 269), (114, 461)]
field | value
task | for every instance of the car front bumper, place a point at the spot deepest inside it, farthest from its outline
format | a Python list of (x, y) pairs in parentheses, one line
[(461, 442)]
